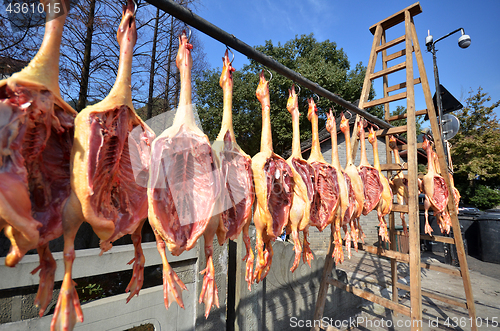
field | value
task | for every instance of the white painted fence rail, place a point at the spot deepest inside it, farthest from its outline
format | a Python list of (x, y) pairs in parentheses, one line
[(110, 313)]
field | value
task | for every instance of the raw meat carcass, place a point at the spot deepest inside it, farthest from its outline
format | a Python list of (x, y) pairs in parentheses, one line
[(399, 183), (326, 197), (237, 193), (369, 175), (303, 193), (357, 187), (110, 163), (434, 188), (184, 187), (36, 130), (274, 189), (445, 223), (347, 197), (384, 205)]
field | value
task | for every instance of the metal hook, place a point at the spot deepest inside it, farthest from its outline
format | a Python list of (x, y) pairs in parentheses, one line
[(270, 73), (317, 96), (350, 114), (189, 34), (136, 4), (300, 89), (227, 47)]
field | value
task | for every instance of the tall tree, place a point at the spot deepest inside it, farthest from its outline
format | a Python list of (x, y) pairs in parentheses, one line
[(476, 148), (321, 62)]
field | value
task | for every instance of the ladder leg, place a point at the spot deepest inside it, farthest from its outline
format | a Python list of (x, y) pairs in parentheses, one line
[(323, 287), (451, 202), (413, 216)]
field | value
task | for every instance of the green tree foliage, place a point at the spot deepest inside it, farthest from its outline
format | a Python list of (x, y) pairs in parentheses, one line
[(476, 150), (401, 110), (320, 62)]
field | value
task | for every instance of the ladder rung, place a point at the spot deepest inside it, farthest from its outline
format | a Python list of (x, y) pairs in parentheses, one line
[(389, 70), (400, 208), (441, 239), (384, 252), (436, 296), (454, 272), (393, 167), (391, 98), (370, 296), (405, 147), (402, 85), (401, 116), (397, 54), (394, 130), (391, 43)]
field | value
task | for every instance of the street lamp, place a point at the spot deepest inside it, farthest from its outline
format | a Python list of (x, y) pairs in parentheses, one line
[(463, 42)]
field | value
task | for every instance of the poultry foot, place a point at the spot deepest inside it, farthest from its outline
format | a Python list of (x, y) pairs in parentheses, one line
[(137, 280), (172, 285), (382, 232), (47, 270), (249, 257), (307, 254), (297, 247), (209, 294), (347, 239), (338, 252), (68, 310)]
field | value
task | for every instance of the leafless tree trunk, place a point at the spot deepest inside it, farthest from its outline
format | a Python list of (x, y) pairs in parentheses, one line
[(152, 70), (84, 81)]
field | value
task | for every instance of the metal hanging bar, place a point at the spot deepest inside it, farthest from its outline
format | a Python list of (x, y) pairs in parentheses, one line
[(230, 40)]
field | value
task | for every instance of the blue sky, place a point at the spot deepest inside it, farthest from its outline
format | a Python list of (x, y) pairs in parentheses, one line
[(347, 23)]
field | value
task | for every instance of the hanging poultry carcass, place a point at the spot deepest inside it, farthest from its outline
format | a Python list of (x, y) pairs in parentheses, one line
[(445, 221), (357, 187), (370, 176), (37, 129), (398, 182), (184, 187), (384, 205), (303, 193), (326, 198), (347, 196), (237, 192), (434, 188), (110, 164), (274, 187)]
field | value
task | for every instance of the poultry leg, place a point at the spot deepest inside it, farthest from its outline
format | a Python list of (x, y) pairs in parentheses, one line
[(172, 284), (307, 254), (209, 294), (137, 279), (47, 270), (249, 257), (68, 310), (427, 205)]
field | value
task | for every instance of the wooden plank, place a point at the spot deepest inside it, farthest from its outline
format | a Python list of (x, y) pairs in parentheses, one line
[(436, 296), (394, 130), (401, 116), (386, 45), (371, 297), (446, 270), (393, 166), (405, 147), (451, 201), (395, 55), (323, 287), (400, 208), (384, 252), (380, 101), (413, 217), (441, 239), (397, 18), (401, 85), (388, 71)]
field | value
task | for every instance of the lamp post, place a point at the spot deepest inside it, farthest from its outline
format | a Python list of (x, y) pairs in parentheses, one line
[(463, 42)]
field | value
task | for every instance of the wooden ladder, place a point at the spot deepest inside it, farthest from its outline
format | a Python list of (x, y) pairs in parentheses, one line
[(404, 90)]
